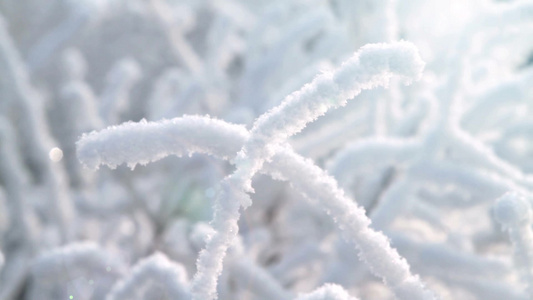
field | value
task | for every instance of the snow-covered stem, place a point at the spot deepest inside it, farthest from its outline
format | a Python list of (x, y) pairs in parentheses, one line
[(307, 178), (373, 246), (372, 66), (513, 211), (210, 260), (156, 270), (425, 159), (143, 142)]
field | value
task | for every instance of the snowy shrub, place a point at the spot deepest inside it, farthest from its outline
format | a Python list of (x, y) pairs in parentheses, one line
[(306, 149)]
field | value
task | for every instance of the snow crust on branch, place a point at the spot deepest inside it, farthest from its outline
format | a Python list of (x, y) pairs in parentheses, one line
[(372, 66), (322, 190), (423, 163), (143, 142)]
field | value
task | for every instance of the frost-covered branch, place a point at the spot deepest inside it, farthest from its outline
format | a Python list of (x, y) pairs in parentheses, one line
[(417, 162), (370, 67), (303, 175), (144, 142)]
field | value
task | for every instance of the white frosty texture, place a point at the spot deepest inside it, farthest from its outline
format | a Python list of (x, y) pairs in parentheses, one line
[(144, 142), (372, 66), (156, 270), (374, 247), (307, 178), (327, 292), (426, 159)]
